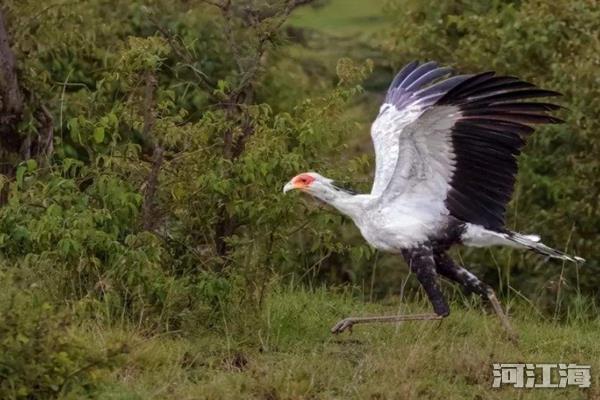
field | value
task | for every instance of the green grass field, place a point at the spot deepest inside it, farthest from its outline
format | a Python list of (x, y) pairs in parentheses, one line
[(342, 17), (288, 353)]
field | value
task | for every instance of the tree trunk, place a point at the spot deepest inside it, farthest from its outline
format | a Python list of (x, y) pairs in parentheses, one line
[(11, 100), (15, 146), (11, 109)]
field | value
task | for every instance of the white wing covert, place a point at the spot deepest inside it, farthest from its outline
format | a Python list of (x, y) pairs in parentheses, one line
[(452, 143)]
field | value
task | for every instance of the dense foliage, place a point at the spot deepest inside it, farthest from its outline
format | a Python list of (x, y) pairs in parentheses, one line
[(141, 177)]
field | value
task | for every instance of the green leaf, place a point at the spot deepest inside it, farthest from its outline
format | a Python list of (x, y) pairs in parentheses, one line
[(99, 134), (20, 175), (31, 165), (73, 125)]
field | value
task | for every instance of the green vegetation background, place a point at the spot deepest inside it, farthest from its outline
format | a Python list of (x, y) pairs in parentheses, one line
[(149, 253)]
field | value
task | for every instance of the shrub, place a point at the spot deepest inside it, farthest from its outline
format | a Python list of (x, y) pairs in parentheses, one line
[(40, 358)]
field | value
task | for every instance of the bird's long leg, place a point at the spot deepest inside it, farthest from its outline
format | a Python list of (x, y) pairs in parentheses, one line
[(449, 269), (422, 263), (347, 323)]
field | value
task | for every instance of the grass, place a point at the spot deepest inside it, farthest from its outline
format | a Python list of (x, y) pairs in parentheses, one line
[(288, 353), (342, 17)]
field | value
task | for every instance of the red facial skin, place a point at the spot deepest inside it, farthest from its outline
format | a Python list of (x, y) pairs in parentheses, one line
[(302, 181)]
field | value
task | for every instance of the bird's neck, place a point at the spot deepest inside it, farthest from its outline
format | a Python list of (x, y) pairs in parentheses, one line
[(352, 205)]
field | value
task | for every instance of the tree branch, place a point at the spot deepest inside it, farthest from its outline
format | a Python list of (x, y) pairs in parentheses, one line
[(150, 216), (46, 137), (183, 54)]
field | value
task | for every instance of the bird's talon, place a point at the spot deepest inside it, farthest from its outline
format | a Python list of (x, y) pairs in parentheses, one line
[(342, 326)]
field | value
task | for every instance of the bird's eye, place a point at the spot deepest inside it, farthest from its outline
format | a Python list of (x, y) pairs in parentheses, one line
[(304, 180)]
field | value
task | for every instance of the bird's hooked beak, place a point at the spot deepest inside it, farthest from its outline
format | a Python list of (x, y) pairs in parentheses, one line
[(289, 186)]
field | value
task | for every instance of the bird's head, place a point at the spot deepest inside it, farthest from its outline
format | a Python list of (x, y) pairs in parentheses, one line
[(309, 182), (316, 185)]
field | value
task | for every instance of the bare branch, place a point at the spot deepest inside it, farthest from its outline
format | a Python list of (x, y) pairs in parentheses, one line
[(149, 117), (228, 29), (182, 53), (150, 218), (45, 140)]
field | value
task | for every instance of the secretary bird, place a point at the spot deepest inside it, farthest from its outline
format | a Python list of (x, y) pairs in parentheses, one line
[(445, 151)]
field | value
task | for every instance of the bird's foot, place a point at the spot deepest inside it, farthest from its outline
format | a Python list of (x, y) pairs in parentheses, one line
[(345, 324)]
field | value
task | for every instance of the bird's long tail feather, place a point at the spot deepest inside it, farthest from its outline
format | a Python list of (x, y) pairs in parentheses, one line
[(532, 242)]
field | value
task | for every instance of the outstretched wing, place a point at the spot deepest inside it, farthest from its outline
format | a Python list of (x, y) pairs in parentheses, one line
[(452, 144)]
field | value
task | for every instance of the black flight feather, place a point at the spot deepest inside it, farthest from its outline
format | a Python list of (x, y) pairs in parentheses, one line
[(496, 114)]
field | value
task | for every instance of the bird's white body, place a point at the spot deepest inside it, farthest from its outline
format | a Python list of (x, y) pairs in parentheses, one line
[(445, 154), (393, 231), (391, 226)]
